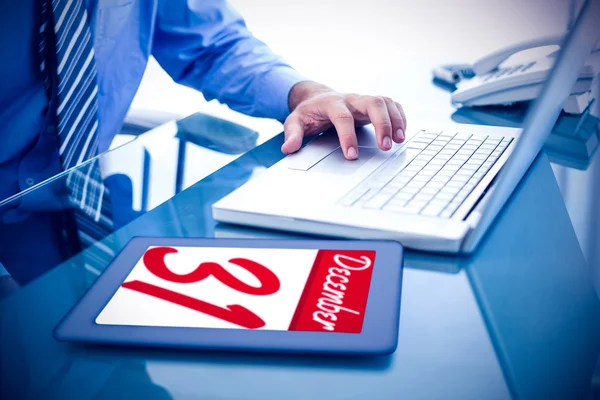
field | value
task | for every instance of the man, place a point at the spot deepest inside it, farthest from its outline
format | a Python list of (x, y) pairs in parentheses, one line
[(69, 70)]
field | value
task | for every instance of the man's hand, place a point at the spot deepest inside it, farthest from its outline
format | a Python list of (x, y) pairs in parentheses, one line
[(316, 108)]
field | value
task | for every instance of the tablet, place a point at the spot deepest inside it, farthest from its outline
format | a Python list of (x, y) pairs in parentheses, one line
[(288, 296)]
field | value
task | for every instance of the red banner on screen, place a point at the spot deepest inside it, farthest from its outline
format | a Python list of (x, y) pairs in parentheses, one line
[(335, 295)]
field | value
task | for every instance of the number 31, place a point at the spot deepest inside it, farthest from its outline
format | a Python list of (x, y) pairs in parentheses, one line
[(154, 259)]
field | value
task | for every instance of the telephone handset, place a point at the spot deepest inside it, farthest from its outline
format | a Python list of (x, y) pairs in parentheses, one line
[(495, 83)]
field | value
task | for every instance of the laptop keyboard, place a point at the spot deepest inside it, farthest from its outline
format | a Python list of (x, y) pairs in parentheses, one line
[(432, 176)]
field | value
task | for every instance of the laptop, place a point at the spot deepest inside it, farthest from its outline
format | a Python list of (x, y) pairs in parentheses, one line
[(439, 191)]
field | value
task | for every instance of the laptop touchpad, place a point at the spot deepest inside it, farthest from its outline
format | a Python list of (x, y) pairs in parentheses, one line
[(336, 163)]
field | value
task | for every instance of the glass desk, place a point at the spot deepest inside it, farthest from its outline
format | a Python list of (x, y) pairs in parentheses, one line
[(520, 318)]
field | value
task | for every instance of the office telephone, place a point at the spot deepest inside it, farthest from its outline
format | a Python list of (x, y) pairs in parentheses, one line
[(498, 81)]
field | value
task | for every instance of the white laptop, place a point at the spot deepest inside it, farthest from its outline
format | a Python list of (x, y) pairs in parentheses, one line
[(439, 191)]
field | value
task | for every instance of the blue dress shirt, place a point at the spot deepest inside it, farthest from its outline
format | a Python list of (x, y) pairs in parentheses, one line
[(22, 97), (203, 44)]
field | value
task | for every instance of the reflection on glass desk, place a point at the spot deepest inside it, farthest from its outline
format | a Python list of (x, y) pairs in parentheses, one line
[(520, 318)]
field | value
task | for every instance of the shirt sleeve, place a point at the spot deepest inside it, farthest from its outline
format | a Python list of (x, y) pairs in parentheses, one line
[(205, 44)]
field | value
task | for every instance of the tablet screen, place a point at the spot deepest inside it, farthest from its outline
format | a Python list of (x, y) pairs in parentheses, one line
[(244, 288)]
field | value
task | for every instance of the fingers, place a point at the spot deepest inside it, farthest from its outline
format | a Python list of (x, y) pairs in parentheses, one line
[(342, 119), (377, 111), (294, 133), (398, 121), (345, 112), (404, 121), (380, 118)]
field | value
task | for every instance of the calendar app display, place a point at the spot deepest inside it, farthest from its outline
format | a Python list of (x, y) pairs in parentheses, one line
[(242, 288)]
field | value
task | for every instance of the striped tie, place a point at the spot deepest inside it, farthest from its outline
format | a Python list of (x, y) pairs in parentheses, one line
[(69, 67), (75, 73)]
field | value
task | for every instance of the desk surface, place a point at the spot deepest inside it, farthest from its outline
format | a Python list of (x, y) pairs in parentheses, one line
[(520, 318)]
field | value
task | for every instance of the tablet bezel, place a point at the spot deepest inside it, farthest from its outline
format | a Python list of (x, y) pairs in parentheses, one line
[(379, 334)]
